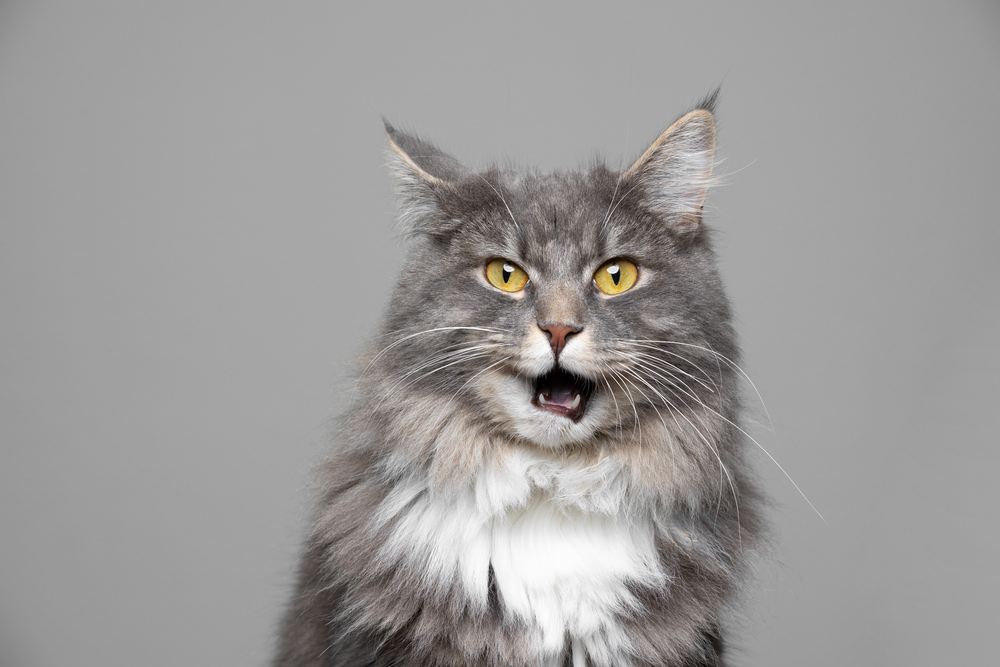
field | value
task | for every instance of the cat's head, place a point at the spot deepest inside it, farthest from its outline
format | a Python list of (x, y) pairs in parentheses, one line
[(562, 306)]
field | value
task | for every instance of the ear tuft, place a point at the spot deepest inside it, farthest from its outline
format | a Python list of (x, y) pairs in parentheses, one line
[(675, 173), (709, 102)]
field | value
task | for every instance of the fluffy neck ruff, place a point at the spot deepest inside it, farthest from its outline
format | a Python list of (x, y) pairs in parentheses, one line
[(576, 548)]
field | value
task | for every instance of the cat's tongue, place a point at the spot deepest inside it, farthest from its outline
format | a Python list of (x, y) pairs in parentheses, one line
[(562, 393)]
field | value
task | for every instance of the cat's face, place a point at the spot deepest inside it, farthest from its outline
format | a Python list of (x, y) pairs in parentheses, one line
[(562, 306)]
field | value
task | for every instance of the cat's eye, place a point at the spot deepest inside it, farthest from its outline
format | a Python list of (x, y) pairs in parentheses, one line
[(506, 275), (616, 276)]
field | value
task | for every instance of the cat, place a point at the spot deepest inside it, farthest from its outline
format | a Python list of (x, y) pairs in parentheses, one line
[(543, 463)]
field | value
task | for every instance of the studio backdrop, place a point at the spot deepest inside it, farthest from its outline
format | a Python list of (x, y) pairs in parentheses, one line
[(198, 237)]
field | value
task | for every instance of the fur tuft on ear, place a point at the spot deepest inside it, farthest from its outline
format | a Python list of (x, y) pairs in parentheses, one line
[(676, 171), (424, 174)]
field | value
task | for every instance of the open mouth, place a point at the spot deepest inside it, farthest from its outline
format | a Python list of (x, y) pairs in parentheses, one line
[(562, 393)]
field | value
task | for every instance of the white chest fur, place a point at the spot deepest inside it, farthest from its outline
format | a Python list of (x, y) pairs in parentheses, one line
[(566, 570), (561, 548)]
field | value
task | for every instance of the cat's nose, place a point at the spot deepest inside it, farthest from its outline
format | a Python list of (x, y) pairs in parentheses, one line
[(559, 333)]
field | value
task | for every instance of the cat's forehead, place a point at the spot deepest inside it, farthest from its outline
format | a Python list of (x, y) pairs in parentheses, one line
[(558, 218)]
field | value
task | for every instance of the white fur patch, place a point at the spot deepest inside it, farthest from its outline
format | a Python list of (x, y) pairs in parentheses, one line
[(554, 530)]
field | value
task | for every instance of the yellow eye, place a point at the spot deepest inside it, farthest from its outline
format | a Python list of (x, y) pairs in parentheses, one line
[(616, 276), (506, 275)]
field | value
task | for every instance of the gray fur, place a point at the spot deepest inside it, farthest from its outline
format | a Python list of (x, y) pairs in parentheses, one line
[(356, 606)]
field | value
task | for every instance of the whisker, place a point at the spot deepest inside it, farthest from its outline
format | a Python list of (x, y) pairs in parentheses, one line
[(715, 451), (673, 388), (670, 443), (773, 460), (617, 378), (392, 332), (672, 380), (442, 356), (421, 333), (454, 357), (668, 367), (688, 360), (500, 194), (618, 182), (623, 198), (611, 391), (719, 355), (450, 362), (466, 384)]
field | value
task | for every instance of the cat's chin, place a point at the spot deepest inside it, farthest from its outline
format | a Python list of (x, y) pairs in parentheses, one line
[(554, 410)]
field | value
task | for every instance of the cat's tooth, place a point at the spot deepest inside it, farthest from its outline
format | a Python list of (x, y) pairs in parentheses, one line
[(541, 399), (575, 403)]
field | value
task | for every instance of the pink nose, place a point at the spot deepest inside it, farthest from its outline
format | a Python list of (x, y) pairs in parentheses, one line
[(559, 334)]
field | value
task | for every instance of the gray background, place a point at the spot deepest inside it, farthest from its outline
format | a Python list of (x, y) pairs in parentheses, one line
[(196, 238)]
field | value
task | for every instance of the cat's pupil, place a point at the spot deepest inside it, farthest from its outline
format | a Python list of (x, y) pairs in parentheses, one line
[(507, 271), (616, 274)]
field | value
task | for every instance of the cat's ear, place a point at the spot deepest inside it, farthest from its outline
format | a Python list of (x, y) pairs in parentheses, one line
[(674, 174), (424, 176)]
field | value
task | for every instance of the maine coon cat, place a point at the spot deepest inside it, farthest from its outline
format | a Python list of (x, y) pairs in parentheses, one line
[(543, 464)]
